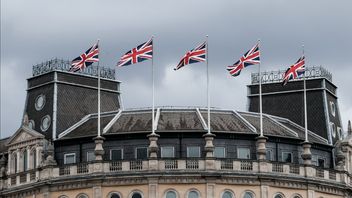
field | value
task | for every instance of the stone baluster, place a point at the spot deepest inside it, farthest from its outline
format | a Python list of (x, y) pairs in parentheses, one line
[(153, 151), (209, 151)]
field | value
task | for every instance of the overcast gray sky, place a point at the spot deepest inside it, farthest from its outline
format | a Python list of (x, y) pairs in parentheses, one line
[(39, 30)]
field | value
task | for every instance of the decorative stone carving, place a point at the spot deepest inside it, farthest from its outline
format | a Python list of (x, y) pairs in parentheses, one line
[(153, 145), (99, 150), (307, 155), (261, 147), (50, 161)]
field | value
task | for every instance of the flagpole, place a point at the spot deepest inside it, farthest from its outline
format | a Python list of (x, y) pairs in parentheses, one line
[(208, 92), (305, 100), (260, 99), (99, 133), (153, 116)]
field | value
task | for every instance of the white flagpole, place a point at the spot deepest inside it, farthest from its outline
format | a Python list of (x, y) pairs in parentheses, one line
[(305, 100), (153, 129), (260, 98), (99, 133), (208, 92)]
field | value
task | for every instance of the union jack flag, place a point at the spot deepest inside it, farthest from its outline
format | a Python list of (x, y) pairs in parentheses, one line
[(194, 56), (141, 53), (294, 70), (86, 59), (251, 57)]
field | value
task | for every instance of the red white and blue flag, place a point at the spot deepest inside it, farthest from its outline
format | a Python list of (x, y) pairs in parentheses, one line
[(251, 57), (86, 59), (294, 70), (141, 53), (196, 55)]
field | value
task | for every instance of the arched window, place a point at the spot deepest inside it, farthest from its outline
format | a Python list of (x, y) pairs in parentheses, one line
[(114, 195), (248, 195), (296, 196), (193, 194), (82, 195), (13, 162), (24, 160), (63, 196), (170, 194), (227, 194), (136, 195), (279, 195), (32, 159)]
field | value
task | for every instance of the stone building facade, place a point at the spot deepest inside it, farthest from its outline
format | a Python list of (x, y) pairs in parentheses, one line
[(49, 158)]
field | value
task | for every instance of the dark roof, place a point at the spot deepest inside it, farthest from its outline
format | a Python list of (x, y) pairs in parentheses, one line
[(300, 131), (171, 120), (270, 127), (89, 127), (3, 143), (226, 121), (188, 120), (133, 121)]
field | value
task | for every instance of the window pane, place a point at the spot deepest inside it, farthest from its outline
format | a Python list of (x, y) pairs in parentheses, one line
[(321, 163), (243, 153), (114, 195), (25, 160), (287, 157), (268, 155), (167, 151), (170, 194), (90, 156), (219, 152), (193, 151), (248, 195), (278, 196), (70, 158), (193, 194), (142, 153), (116, 154), (227, 194), (136, 195)]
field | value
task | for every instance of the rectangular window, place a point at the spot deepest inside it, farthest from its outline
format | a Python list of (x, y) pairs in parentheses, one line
[(116, 154), (243, 153), (219, 152), (321, 163), (167, 152), (70, 158), (287, 157), (269, 156), (90, 156), (142, 153), (193, 151)]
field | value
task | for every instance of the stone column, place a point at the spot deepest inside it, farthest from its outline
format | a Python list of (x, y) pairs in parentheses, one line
[(261, 147), (99, 150), (261, 154), (209, 151), (153, 151), (307, 155)]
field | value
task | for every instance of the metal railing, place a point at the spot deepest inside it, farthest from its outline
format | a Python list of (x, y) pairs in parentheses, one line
[(82, 168), (192, 164), (226, 165), (64, 170), (278, 168)]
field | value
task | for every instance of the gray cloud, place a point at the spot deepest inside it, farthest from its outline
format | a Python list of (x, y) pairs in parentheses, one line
[(35, 31)]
